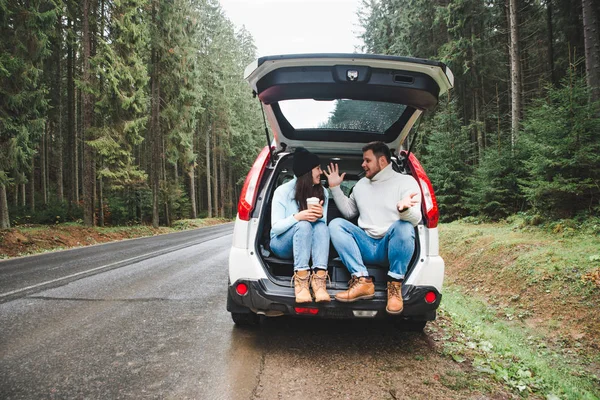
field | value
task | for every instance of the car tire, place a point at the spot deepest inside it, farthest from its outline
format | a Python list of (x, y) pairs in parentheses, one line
[(245, 319)]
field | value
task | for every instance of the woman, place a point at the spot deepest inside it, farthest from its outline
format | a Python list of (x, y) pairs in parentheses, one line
[(299, 231)]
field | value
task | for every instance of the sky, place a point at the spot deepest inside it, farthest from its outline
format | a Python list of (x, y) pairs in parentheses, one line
[(299, 26)]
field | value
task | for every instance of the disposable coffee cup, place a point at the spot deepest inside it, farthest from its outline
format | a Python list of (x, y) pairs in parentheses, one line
[(312, 201)]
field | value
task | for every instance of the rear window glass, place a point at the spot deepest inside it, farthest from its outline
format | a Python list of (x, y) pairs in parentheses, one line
[(352, 115)]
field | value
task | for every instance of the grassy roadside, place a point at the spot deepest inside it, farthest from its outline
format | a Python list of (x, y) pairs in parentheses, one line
[(34, 239), (520, 305)]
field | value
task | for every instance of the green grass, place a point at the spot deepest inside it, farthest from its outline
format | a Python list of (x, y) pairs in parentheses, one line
[(511, 353), (494, 271), (544, 256)]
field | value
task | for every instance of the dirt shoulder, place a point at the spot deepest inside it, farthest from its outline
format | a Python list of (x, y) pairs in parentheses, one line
[(540, 279), (34, 239), (524, 302)]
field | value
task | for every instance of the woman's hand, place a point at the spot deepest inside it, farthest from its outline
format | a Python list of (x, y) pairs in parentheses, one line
[(312, 214)]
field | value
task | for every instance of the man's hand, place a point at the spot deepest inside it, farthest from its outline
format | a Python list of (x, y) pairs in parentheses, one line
[(333, 175), (407, 202)]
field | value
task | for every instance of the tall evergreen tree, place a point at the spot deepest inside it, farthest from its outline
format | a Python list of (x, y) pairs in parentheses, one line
[(495, 192), (122, 101), (448, 157), (560, 134), (24, 28), (591, 34)]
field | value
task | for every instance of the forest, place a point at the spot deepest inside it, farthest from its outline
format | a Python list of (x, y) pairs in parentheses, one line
[(521, 130), (116, 112), (123, 111)]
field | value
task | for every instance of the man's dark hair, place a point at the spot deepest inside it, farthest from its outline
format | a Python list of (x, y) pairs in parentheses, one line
[(380, 149)]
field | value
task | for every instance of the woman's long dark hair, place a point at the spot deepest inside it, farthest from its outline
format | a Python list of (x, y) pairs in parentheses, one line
[(305, 189)]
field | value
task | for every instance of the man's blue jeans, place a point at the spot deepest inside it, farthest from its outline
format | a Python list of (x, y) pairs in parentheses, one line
[(300, 242), (356, 248)]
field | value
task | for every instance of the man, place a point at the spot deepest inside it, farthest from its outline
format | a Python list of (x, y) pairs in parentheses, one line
[(389, 207)]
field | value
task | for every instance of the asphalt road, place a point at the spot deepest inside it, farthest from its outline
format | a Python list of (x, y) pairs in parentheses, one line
[(157, 327)]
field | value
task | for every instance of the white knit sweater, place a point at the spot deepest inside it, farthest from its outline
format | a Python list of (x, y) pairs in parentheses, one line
[(375, 200)]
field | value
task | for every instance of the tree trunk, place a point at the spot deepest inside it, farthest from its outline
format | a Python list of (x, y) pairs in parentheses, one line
[(43, 167), (71, 135), (591, 36), (88, 178), (223, 182), (193, 192), (215, 180), (230, 209), (154, 127), (23, 195), (480, 141), (208, 183), (32, 186), (4, 217), (163, 178), (100, 202), (498, 118), (77, 153), (60, 191), (515, 71), (550, 54), (57, 126)]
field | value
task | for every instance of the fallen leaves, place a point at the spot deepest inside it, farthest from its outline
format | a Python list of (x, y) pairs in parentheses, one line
[(593, 276)]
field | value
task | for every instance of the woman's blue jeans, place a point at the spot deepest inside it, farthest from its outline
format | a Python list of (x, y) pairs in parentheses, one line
[(300, 242), (356, 248)]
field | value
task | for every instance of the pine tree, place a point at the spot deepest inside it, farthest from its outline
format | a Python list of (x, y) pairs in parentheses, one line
[(24, 28), (448, 157), (560, 134), (121, 93), (495, 192)]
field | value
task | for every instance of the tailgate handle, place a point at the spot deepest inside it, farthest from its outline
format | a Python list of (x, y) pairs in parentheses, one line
[(409, 80)]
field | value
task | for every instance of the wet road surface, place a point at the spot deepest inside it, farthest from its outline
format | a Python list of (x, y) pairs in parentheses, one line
[(159, 329)]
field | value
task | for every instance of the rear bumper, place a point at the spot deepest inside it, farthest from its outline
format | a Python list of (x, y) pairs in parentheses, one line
[(265, 297)]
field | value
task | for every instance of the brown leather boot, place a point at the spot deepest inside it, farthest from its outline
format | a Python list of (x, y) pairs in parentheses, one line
[(301, 282), (358, 288), (318, 283), (395, 305)]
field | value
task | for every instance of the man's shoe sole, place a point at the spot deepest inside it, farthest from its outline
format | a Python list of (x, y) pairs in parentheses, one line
[(365, 297)]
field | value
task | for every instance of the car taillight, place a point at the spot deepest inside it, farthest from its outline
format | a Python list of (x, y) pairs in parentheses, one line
[(430, 297), (306, 310), (428, 202), (249, 191), (241, 289)]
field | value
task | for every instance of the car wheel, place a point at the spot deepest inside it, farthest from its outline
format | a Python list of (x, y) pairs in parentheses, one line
[(245, 319)]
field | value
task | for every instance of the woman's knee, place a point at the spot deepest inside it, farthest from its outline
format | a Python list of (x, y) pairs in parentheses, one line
[(320, 229), (303, 226)]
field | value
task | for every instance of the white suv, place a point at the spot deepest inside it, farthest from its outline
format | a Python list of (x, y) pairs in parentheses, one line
[(332, 105)]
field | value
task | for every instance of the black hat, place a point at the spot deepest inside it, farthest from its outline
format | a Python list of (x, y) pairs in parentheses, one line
[(304, 161)]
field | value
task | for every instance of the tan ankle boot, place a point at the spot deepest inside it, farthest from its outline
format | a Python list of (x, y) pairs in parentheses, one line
[(358, 288), (318, 283), (395, 305), (301, 282)]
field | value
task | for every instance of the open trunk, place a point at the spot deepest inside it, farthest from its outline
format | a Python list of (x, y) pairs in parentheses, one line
[(281, 270)]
